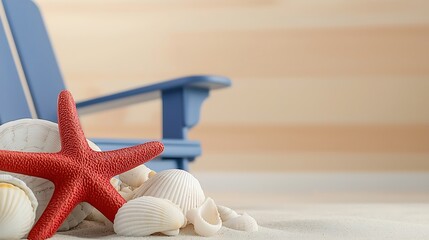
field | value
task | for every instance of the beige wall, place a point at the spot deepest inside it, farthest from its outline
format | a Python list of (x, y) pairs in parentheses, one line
[(318, 85)]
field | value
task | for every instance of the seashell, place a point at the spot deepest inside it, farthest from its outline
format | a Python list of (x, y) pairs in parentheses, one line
[(136, 176), (127, 195), (17, 208), (231, 219), (176, 185), (126, 192), (205, 218), (226, 213), (242, 223), (36, 135), (79, 213), (115, 183), (125, 188), (145, 215)]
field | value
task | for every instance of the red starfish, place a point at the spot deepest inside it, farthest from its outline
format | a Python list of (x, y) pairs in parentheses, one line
[(79, 173)]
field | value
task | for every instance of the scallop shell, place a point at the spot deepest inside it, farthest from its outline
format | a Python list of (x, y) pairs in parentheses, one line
[(36, 135), (144, 216), (17, 208), (205, 218), (136, 176), (235, 221), (176, 185)]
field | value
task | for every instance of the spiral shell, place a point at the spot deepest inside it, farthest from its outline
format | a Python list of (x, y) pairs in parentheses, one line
[(242, 223), (144, 216), (176, 185), (17, 208), (226, 213), (205, 218), (231, 219), (36, 135)]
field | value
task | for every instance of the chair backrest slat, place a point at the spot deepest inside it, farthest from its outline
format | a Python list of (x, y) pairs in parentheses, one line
[(13, 104), (36, 54)]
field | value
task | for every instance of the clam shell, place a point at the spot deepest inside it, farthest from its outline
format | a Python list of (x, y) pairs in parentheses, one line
[(176, 185), (144, 216), (205, 218), (136, 176), (17, 208), (36, 135)]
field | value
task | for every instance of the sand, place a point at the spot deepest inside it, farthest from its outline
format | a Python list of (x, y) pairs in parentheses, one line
[(310, 206), (306, 221)]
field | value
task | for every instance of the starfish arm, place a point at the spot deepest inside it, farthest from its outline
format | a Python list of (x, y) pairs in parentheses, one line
[(107, 200), (35, 164), (122, 160), (63, 201), (71, 133)]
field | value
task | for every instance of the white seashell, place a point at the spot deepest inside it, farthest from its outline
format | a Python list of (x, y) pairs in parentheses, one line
[(125, 192), (144, 216), (125, 188), (115, 183), (242, 223), (127, 195), (235, 221), (79, 213), (36, 135), (136, 176), (176, 185), (17, 208), (226, 213), (205, 218)]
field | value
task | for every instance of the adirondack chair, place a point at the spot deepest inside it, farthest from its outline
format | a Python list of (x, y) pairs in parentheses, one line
[(30, 81)]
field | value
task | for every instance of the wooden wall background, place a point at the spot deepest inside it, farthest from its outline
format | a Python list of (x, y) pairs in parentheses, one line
[(318, 85)]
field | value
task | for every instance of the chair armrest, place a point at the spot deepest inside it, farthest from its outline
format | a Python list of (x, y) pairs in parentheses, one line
[(150, 92), (181, 101), (188, 149)]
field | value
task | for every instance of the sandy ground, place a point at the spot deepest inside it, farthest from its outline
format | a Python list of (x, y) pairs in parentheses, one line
[(309, 206), (306, 221)]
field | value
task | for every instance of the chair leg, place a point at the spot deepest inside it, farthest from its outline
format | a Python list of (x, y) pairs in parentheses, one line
[(181, 111), (183, 163)]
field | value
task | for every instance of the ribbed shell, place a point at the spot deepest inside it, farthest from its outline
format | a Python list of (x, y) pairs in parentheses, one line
[(36, 135), (17, 208), (178, 186), (144, 216)]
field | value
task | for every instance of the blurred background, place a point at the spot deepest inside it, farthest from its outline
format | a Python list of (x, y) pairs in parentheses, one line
[(318, 86)]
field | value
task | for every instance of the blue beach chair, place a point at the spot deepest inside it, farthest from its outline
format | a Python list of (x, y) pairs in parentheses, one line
[(30, 81)]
